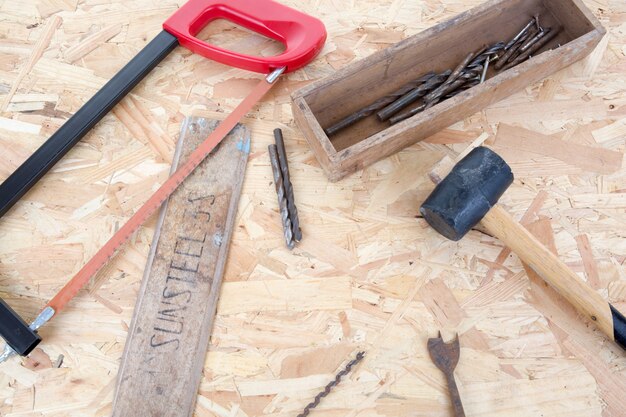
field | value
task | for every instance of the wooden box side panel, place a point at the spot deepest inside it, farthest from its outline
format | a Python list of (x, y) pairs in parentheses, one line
[(574, 17), (451, 111), (436, 49), (315, 136)]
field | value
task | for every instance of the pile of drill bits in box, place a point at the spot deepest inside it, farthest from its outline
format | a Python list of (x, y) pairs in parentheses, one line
[(284, 189), (433, 87)]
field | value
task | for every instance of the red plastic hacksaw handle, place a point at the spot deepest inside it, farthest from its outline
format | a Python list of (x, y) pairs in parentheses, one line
[(302, 35)]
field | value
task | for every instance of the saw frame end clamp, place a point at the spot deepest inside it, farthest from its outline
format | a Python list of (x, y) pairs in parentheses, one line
[(26, 338)]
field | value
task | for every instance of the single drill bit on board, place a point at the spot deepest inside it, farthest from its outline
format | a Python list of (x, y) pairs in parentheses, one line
[(333, 383), (377, 105), (282, 198), (284, 169)]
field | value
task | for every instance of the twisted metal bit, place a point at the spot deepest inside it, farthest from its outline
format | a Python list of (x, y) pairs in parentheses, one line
[(413, 95), (335, 382), (403, 116), (284, 168), (513, 50), (470, 76), (533, 21), (469, 84), (443, 88), (282, 199), (486, 54), (550, 34), (377, 105), (465, 76)]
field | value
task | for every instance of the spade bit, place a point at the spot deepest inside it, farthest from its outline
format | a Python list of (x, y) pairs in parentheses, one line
[(446, 356)]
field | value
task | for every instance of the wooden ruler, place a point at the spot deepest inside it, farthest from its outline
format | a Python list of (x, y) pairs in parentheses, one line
[(168, 338)]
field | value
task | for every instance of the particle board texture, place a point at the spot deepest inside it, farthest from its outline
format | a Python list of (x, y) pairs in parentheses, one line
[(369, 274)]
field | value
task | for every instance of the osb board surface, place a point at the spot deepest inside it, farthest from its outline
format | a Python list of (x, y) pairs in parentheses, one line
[(368, 275)]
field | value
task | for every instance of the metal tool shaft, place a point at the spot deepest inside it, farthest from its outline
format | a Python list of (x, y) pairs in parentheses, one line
[(532, 41), (446, 89), (284, 169), (413, 95), (446, 356), (443, 89), (521, 33), (513, 50), (483, 77), (467, 79), (377, 105), (282, 197), (486, 54), (550, 35)]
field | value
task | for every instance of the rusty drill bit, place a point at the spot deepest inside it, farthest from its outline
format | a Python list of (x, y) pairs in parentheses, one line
[(446, 356), (284, 168), (513, 50), (282, 199), (485, 58), (513, 41), (432, 98), (456, 87), (377, 105), (403, 116), (550, 34), (470, 76), (487, 53), (459, 69), (330, 385), (532, 41), (413, 96), (469, 84), (443, 89)]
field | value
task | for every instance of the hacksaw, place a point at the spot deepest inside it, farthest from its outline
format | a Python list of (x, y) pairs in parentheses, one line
[(303, 37)]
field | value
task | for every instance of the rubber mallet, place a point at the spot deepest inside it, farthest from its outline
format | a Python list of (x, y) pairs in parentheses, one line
[(468, 196)]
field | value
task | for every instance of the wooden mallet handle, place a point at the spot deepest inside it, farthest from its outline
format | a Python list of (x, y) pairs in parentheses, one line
[(553, 270), (467, 193)]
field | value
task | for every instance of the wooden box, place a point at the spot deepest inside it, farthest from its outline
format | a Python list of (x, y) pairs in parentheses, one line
[(322, 103)]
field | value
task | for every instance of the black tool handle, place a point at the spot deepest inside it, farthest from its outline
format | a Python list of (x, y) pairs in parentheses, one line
[(77, 126), (619, 327), (16, 332)]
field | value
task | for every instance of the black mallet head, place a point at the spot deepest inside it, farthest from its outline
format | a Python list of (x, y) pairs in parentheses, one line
[(462, 199)]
